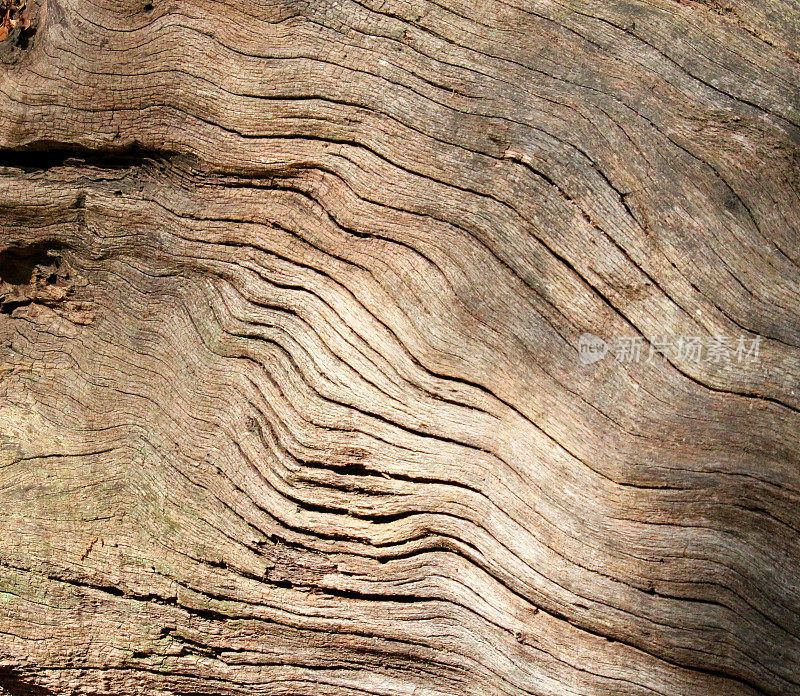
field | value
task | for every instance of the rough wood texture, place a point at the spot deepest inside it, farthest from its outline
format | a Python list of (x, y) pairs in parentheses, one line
[(290, 397)]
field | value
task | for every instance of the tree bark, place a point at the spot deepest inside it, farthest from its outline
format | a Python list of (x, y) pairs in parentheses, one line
[(318, 347)]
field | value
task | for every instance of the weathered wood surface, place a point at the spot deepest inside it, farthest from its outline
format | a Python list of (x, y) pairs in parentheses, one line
[(290, 398)]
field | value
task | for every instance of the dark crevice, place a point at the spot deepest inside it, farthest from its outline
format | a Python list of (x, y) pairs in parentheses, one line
[(9, 306), (25, 37), (13, 683), (350, 594), (46, 154), (17, 28), (19, 265), (32, 273)]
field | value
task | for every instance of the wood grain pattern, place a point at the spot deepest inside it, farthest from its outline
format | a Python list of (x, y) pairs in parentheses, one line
[(290, 393)]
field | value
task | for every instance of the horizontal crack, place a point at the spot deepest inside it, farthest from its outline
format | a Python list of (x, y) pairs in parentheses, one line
[(43, 155)]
